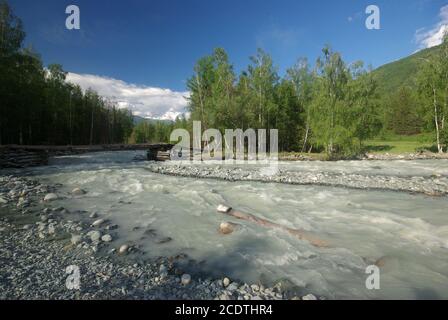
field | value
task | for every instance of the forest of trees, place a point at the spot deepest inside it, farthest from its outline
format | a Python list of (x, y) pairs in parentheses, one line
[(38, 105), (330, 106)]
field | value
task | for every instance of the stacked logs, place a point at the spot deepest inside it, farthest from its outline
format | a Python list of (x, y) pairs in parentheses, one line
[(19, 158)]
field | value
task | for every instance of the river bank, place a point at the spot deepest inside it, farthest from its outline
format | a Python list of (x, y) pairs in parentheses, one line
[(433, 185), (38, 243)]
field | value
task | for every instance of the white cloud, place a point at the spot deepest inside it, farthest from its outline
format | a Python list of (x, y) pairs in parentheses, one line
[(430, 37), (144, 101)]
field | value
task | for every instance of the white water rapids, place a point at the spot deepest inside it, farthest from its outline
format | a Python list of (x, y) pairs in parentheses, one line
[(409, 231)]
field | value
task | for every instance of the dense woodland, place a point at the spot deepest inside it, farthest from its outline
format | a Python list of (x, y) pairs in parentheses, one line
[(37, 104), (328, 106)]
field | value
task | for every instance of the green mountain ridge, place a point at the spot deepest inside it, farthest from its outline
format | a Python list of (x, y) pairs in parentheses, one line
[(402, 72)]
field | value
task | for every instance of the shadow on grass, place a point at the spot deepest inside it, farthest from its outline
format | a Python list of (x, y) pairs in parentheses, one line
[(378, 148)]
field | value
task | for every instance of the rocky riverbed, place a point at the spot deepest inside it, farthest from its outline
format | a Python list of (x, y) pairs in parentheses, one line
[(433, 185), (38, 242)]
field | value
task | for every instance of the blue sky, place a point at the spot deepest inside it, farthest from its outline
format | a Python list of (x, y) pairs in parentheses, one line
[(154, 44)]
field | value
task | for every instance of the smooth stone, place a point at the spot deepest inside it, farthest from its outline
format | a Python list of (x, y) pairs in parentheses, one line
[(51, 197), (123, 249), (225, 282), (94, 235), (309, 297), (185, 279), (98, 222), (3, 200), (227, 227), (76, 239), (78, 192), (93, 215), (106, 238)]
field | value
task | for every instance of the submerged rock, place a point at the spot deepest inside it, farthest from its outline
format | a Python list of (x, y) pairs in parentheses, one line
[(51, 197), (78, 192), (227, 227), (106, 238), (309, 297)]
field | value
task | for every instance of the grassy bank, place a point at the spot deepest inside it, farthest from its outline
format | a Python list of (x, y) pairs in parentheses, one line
[(395, 144)]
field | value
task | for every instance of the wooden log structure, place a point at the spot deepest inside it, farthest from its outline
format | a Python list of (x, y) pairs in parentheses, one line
[(300, 234), (21, 156)]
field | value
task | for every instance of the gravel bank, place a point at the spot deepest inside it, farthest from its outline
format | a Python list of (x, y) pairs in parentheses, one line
[(436, 185), (37, 244)]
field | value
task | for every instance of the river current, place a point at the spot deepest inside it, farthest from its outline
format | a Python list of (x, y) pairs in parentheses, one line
[(407, 232)]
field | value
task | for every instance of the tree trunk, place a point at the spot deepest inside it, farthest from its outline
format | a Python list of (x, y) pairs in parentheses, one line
[(436, 121), (91, 129), (307, 132)]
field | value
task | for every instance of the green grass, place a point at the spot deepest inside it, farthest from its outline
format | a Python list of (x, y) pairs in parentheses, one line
[(399, 144)]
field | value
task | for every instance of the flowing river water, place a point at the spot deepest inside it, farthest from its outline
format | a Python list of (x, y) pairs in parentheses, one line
[(408, 232)]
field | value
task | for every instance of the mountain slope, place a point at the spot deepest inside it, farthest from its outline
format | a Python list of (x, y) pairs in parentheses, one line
[(399, 73)]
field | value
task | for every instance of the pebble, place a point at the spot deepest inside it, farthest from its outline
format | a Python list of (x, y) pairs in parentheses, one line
[(98, 222), (51, 197), (94, 235), (227, 227), (185, 279), (123, 249), (225, 282), (309, 297), (106, 238)]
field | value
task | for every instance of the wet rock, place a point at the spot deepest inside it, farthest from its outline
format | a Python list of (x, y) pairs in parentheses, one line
[(309, 297), (98, 222), (163, 240), (185, 279), (51, 197), (123, 249), (78, 192), (93, 215), (3, 200), (227, 227), (76, 239), (112, 227), (106, 238), (225, 282), (94, 235)]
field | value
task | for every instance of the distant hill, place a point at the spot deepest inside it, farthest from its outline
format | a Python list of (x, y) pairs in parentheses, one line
[(138, 120), (402, 72)]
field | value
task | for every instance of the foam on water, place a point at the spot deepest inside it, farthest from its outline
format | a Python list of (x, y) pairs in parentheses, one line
[(408, 232)]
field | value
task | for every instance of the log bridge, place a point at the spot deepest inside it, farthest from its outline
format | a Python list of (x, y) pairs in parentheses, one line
[(20, 156)]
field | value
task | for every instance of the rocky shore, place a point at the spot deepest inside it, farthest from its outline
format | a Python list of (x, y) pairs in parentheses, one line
[(435, 185), (38, 243)]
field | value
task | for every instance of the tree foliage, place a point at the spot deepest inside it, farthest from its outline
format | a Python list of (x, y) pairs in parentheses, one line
[(38, 105)]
